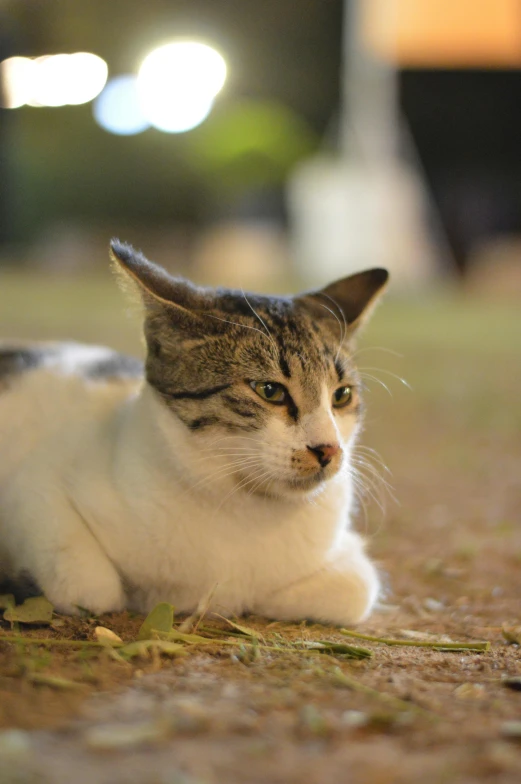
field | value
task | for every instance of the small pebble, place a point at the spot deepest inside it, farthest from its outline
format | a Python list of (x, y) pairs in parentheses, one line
[(470, 691), (502, 756), (112, 737), (513, 683), (312, 721), (14, 743), (106, 635), (512, 634), (354, 719), (511, 729), (433, 605)]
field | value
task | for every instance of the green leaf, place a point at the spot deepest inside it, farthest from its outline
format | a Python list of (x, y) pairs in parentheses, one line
[(191, 639), (38, 609), (142, 648), (7, 601), (246, 630), (54, 682), (160, 619)]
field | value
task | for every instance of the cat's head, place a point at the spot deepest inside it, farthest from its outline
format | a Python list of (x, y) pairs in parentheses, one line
[(265, 386)]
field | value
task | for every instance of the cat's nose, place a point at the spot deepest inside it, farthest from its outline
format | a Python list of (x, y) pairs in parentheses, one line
[(324, 452)]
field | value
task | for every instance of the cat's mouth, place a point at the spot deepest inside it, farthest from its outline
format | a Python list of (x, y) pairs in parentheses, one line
[(293, 485), (301, 483)]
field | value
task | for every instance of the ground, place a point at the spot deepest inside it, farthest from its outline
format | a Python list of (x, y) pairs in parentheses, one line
[(449, 548)]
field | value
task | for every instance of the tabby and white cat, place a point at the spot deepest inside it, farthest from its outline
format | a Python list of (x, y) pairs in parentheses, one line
[(226, 466)]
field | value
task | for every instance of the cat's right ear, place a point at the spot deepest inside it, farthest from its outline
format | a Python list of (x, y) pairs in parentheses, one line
[(157, 288)]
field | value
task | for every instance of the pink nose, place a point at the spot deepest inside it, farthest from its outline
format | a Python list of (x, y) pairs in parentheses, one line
[(324, 452)]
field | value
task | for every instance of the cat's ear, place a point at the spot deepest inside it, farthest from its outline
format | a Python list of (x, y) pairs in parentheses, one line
[(354, 297), (157, 288)]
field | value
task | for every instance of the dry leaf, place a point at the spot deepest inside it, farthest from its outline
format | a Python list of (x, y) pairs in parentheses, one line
[(246, 630), (7, 601), (38, 609), (410, 634)]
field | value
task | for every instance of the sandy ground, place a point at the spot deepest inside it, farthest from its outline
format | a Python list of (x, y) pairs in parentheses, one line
[(450, 552)]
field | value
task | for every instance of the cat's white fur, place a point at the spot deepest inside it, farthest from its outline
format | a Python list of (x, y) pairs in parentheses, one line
[(108, 501)]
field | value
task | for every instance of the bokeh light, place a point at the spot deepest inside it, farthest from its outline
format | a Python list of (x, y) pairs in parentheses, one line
[(177, 84), (17, 76), (117, 109), (52, 80)]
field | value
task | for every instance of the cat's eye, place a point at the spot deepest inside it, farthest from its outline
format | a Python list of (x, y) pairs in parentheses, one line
[(342, 397), (270, 391)]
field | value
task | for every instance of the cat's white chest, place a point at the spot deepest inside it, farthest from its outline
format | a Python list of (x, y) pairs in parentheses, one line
[(173, 544)]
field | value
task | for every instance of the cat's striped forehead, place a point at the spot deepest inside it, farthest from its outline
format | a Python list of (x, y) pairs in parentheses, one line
[(248, 338), (278, 336)]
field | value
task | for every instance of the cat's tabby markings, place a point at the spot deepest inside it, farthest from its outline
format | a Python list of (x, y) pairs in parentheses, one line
[(226, 463)]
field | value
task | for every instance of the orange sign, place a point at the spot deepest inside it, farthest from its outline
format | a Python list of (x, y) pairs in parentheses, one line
[(444, 33)]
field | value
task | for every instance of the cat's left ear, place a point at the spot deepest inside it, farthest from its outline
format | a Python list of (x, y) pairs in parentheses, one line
[(354, 297), (160, 291)]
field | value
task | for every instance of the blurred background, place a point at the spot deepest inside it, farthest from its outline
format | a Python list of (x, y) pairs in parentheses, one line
[(257, 144)]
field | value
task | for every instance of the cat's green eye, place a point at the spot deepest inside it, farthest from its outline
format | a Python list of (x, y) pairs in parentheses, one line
[(342, 397), (270, 391)]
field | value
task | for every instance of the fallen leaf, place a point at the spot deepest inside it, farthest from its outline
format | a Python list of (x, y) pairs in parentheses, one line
[(190, 639), (410, 634), (160, 619), (142, 648), (53, 681), (38, 609), (246, 630), (7, 601), (339, 649)]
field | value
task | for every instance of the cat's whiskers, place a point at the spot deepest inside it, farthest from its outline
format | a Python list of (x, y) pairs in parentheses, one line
[(226, 438), (237, 324), (369, 483), (359, 491), (260, 473), (377, 380), (365, 349), (373, 454), (269, 474), (229, 469), (343, 326), (375, 471), (268, 333), (244, 455), (363, 460), (389, 373)]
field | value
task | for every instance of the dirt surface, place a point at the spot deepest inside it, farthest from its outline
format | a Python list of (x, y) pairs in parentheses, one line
[(450, 553)]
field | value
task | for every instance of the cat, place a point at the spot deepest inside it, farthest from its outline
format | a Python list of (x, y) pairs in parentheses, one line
[(224, 464)]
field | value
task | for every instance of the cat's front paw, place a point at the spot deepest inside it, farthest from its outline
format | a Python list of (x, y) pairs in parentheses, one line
[(98, 593), (343, 592)]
